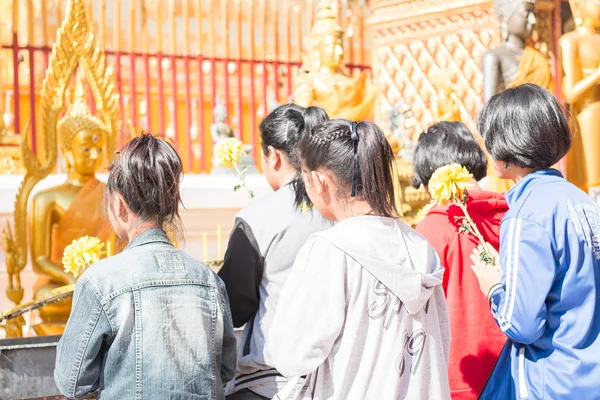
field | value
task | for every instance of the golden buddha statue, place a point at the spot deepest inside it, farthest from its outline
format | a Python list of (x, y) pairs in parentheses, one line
[(581, 88), (67, 212), (322, 81), (445, 107), (515, 62)]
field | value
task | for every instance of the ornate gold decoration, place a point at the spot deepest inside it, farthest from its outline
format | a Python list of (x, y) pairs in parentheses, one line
[(322, 80), (75, 45)]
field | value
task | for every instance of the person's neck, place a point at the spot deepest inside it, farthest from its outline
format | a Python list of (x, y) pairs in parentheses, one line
[(286, 177), (136, 230), (474, 185), (76, 179), (353, 208), (520, 173)]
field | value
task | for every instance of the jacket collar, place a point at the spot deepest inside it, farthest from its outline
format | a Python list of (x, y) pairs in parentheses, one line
[(532, 178), (155, 235)]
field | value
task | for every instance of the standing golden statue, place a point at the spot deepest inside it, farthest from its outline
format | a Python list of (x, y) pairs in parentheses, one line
[(322, 81), (63, 213), (515, 62), (581, 88)]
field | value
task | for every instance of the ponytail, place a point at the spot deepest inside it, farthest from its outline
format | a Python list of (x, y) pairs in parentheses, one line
[(365, 162)]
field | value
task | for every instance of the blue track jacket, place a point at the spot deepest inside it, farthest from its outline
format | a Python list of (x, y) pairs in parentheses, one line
[(549, 302)]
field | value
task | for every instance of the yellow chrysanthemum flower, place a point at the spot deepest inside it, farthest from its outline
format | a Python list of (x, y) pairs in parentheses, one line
[(82, 253), (449, 183), (229, 152)]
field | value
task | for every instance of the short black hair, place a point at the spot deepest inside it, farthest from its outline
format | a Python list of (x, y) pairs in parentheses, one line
[(525, 126), (447, 143)]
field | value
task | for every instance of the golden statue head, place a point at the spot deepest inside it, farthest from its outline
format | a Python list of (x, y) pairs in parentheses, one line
[(326, 37), (517, 17), (82, 137), (586, 12)]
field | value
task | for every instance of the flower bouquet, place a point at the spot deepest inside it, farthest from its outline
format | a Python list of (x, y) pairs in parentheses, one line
[(449, 184), (82, 253), (229, 153)]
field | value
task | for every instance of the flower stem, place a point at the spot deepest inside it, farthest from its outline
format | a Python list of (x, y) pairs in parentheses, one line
[(242, 179), (472, 227)]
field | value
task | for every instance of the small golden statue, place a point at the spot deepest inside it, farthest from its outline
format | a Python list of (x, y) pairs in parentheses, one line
[(322, 81), (10, 153), (581, 88), (66, 212), (445, 106)]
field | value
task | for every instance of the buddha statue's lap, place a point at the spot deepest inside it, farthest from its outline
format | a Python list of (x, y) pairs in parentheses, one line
[(514, 62), (67, 212)]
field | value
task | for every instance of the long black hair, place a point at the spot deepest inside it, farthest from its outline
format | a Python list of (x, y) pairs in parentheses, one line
[(331, 146), (283, 129)]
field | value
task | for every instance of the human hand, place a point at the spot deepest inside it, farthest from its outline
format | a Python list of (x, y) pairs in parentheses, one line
[(487, 275)]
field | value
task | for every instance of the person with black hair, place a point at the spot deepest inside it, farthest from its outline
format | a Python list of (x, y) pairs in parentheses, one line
[(150, 322), (267, 235), (476, 339), (363, 312), (544, 290)]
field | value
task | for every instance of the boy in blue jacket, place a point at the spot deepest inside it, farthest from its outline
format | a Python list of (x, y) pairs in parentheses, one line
[(544, 292)]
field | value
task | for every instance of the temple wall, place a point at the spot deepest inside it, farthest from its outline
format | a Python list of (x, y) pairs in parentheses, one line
[(416, 40)]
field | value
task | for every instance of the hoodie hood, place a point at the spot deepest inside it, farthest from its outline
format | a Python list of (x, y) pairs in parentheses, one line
[(393, 253)]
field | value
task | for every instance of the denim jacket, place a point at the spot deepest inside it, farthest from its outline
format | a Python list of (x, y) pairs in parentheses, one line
[(148, 323)]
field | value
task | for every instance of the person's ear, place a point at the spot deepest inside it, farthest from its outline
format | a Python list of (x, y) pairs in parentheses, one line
[(273, 158), (319, 181)]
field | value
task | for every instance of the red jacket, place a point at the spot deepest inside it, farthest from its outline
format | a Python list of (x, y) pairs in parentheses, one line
[(476, 339)]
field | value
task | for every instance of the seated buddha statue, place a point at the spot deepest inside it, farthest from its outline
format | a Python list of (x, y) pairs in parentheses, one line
[(515, 62), (581, 88), (323, 82), (69, 211)]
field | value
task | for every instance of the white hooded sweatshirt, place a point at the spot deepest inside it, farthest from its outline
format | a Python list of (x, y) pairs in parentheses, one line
[(363, 314)]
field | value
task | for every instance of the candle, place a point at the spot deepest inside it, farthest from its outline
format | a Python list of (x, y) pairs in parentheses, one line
[(205, 247), (219, 243)]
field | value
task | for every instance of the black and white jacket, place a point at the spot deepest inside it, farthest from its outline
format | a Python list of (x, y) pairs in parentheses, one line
[(267, 235)]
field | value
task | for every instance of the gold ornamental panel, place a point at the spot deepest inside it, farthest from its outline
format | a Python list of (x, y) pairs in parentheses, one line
[(416, 41)]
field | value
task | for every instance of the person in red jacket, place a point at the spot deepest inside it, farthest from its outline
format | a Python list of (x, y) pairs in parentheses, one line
[(476, 338)]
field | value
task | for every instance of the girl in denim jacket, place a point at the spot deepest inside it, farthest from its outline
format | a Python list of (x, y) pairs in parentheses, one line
[(150, 322)]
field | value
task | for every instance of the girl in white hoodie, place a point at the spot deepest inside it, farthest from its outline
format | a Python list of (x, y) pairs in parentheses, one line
[(363, 313)]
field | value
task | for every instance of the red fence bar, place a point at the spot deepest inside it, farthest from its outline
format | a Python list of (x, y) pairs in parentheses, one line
[(188, 116), (226, 69), (213, 85), (174, 97), (240, 100), (161, 95), (147, 94), (132, 85), (253, 108), (120, 91), (16, 109), (201, 111), (32, 101)]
